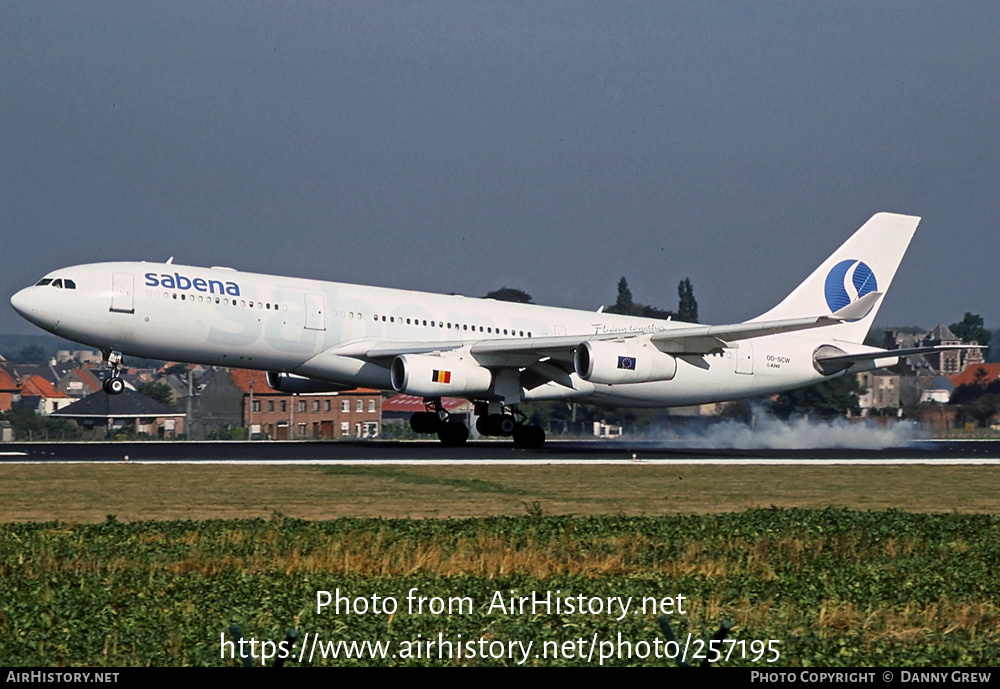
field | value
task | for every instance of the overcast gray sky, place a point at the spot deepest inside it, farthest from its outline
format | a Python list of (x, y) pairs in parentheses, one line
[(466, 146)]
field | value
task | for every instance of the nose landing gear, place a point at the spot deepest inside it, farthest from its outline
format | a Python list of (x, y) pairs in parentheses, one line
[(113, 360)]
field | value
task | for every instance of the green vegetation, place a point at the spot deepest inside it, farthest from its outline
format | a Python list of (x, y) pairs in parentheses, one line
[(687, 305), (509, 294), (625, 305), (837, 397), (158, 392), (979, 400), (972, 329), (836, 587), (29, 425)]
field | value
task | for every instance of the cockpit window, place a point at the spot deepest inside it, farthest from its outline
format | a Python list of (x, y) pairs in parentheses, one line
[(60, 283)]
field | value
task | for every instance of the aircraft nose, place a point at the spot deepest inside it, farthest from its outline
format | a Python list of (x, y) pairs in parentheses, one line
[(28, 304), (21, 301)]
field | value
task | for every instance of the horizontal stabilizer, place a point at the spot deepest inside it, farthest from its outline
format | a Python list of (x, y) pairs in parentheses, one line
[(858, 308), (840, 362)]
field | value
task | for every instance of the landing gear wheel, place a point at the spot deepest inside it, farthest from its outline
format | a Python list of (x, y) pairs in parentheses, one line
[(113, 361), (425, 422), (496, 424), (529, 437), (453, 433)]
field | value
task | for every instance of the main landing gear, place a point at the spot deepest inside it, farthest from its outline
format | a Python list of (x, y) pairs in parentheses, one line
[(114, 385), (436, 420), (507, 423)]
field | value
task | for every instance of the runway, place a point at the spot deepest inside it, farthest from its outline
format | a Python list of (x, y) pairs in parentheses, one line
[(943, 452)]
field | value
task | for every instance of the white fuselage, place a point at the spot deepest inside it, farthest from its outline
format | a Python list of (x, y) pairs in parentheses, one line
[(218, 316)]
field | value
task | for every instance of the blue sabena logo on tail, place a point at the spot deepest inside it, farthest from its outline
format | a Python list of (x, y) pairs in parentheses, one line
[(847, 281)]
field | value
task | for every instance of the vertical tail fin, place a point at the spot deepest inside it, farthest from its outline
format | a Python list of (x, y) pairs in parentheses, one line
[(863, 264)]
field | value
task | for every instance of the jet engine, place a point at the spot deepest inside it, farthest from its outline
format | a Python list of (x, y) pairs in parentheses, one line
[(630, 361), (293, 384), (434, 376)]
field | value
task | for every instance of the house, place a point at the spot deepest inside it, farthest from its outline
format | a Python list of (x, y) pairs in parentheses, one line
[(934, 363), (242, 398), (216, 409), (881, 391), (937, 391), (9, 391), (78, 382), (42, 395), (100, 415), (981, 374)]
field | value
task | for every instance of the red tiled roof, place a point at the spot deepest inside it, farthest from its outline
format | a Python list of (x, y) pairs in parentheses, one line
[(969, 375), (7, 382), (36, 386), (243, 376), (412, 403), (88, 378)]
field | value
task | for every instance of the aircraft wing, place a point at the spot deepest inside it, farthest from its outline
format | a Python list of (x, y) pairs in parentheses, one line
[(682, 339)]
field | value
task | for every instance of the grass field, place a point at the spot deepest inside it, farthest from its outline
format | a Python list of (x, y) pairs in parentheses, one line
[(90, 492), (845, 566), (832, 587)]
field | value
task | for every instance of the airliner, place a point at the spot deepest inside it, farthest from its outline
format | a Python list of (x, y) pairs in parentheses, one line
[(317, 336)]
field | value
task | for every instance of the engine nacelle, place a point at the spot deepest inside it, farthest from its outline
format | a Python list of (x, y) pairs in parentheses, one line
[(434, 376), (293, 384), (631, 361)]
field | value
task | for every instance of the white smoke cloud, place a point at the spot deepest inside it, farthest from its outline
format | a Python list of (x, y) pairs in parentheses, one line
[(766, 432)]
